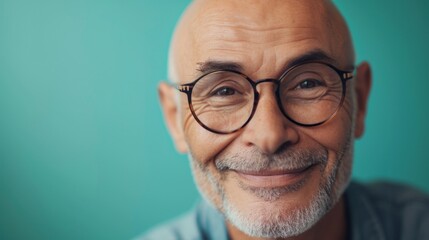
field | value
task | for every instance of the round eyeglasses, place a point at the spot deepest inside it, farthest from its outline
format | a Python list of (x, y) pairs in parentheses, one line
[(308, 94)]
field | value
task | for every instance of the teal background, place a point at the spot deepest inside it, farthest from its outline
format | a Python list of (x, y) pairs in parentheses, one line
[(84, 153)]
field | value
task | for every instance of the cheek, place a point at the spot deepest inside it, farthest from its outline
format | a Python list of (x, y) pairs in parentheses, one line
[(332, 135), (209, 188), (335, 135), (204, 145), (337, 132)]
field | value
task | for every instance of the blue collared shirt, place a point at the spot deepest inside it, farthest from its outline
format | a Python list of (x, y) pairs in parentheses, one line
[(379, 211)]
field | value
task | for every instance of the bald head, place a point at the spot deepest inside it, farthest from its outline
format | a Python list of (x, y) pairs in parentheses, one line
[(260, 35)]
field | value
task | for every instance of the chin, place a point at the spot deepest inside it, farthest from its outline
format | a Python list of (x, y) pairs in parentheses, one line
[(282, 212), (276, 220)]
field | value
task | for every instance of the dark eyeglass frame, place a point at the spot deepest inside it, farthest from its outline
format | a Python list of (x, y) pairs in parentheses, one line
[(188, 87)]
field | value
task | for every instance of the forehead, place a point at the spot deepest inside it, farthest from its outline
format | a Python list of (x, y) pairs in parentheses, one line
[(259, 13), (262, 36)]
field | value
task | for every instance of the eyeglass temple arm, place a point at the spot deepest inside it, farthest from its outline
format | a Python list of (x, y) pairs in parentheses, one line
[(185, 88), (347, 75)]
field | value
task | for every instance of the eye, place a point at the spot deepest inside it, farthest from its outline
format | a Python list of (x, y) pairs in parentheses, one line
[(224, 91), (309, 83)]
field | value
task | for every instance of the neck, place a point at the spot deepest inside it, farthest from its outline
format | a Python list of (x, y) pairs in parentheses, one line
[(322, 230)]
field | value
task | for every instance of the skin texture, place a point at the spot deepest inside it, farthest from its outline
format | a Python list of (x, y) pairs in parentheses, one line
[(263, 36)]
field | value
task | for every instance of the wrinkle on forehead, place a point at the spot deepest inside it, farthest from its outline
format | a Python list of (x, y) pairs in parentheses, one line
[(239, 34), (231, 28)]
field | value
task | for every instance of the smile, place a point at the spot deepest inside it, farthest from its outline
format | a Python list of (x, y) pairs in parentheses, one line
[(274, 178)]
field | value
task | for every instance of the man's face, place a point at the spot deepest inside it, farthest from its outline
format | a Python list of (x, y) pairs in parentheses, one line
[(272, 178)]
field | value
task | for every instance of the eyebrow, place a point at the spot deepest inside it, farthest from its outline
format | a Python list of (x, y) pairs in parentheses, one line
[(215, 65), (314, 55)]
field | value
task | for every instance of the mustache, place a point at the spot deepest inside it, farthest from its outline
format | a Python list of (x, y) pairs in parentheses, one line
[(285, 159)]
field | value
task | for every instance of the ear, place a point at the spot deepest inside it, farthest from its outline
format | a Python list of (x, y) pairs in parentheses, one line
[(171, 116), (362, 88)]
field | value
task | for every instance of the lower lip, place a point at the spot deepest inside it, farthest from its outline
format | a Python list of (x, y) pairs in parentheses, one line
[(271, 181)]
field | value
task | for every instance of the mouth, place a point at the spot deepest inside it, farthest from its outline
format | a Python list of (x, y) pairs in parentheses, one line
[(274, 178)]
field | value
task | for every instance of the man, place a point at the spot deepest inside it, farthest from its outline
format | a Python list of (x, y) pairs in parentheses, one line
[(267, 101)]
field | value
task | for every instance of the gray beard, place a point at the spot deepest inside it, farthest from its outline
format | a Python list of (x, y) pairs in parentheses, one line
[(265, 222)]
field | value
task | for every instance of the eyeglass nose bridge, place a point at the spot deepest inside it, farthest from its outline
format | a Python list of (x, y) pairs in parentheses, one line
[(265, 80), (276, 82)]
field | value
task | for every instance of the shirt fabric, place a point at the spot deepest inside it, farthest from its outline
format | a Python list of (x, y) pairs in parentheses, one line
[(377, 211)]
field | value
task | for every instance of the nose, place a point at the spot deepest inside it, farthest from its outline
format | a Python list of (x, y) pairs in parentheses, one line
[(269, 129)]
